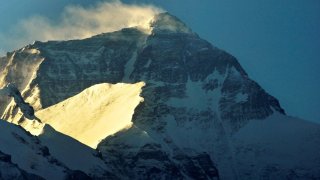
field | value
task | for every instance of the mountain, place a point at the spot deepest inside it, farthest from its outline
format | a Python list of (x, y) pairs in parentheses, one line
[(201, 117)]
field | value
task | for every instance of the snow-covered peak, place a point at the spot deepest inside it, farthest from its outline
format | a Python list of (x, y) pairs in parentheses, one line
[(165, 22)]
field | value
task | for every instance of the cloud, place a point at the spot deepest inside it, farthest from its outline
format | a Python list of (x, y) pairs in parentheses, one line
[(77, 22)]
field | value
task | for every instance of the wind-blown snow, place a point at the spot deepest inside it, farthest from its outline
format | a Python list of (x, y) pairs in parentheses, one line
[(92, 115), (77, 22)]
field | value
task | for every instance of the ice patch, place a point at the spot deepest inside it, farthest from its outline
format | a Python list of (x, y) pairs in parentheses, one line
[(129, 67), (148, 63), (241, 98), (197, 97)]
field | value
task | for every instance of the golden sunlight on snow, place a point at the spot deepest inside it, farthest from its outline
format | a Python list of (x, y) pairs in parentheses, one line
[(92, 115)]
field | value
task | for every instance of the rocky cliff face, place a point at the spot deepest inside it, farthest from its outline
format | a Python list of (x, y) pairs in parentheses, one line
[(197, 98), (11, 91)]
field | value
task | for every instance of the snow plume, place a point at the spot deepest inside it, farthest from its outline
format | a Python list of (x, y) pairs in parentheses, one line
[(77, 22)]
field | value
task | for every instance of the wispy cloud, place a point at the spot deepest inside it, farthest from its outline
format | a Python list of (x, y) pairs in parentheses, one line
[(77, 22)]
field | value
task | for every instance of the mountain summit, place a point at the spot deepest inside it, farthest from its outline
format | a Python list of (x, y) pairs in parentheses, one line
[(201, 117), (165, 22)]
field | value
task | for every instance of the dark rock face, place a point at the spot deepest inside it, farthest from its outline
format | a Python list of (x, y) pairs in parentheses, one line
[(147, 159), (199, 166), (5, 157), (26, 109), (258, 104), (77, 175)]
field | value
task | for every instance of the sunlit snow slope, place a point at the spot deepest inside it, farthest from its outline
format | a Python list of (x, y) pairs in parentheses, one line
[(92, 115)]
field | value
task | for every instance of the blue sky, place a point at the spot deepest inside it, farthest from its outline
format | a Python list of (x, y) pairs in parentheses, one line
[(277, 42)]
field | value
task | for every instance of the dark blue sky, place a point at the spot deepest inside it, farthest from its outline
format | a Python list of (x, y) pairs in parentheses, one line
[(277, 42)]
